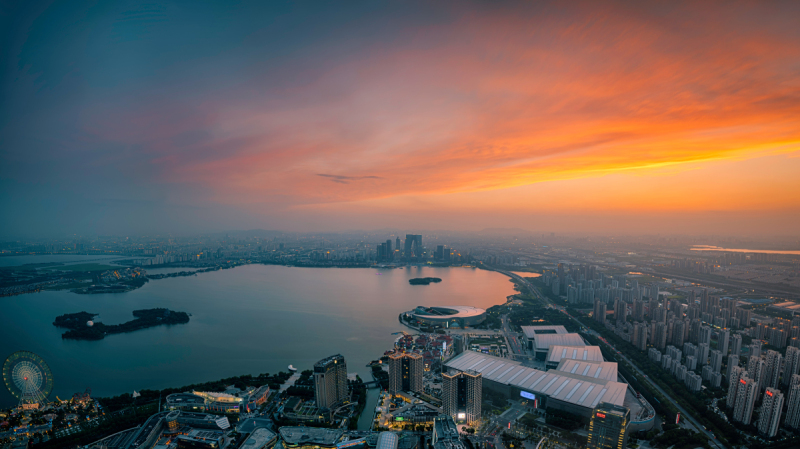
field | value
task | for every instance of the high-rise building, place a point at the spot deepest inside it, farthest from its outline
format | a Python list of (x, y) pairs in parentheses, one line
[(757, 371), (660, 335), (620, 309), (608, 427), (461, 395), (736, 348), (641, 336), (746, 392), (716, 361), (405, 372), (413, 248), (733, 361), (773, 370), (600, 311), (702, 353), (723, 340), (736, 374), (770, 416), (792, 364), (638, 310), (678, 333), (705, 335), (693, 381), (755, 349), (330, 381), (793, 412)]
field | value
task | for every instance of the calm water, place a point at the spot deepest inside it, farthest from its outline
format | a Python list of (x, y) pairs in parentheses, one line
[(739, 250), (247, 320)]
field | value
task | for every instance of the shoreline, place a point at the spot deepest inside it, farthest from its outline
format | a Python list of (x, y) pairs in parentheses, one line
[(298, 359)]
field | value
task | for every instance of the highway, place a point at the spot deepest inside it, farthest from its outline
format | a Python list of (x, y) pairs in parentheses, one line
[(684, 414)]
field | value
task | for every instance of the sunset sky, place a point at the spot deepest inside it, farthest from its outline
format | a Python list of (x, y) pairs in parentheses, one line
[(645, 117)]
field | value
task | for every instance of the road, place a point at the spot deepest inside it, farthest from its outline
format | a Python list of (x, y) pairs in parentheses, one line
[(684, 414), (512, 340), (711, 438)]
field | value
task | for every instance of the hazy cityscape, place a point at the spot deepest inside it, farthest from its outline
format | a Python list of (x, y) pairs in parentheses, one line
[(399, 225)]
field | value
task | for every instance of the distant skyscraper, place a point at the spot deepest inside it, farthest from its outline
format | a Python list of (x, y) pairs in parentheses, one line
[(330, 381), (405, 372), (770, 415), (462, 395), (413, 247), (608, 427)]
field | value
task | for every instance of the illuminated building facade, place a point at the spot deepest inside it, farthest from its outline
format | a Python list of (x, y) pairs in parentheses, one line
[(461, 395), (330, 381), (405, 372), (608, 427)]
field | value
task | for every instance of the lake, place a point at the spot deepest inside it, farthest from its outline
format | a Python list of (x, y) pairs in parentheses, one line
[(246, 320)]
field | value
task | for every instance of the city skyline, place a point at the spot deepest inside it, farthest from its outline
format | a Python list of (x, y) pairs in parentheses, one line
[(600, 116)]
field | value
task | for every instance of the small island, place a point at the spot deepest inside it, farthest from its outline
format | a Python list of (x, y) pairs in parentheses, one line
[(81, 326), (423, 281)]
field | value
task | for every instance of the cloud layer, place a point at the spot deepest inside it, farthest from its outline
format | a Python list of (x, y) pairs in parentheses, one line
[(265, 114)]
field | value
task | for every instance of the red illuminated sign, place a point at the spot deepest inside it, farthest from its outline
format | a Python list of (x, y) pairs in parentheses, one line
[(769, 393), (601, 415), (742, 381)]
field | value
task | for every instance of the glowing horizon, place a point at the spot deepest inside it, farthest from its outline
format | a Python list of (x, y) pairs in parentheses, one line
[(314, 117)]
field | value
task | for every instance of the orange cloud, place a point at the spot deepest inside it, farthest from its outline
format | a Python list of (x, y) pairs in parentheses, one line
[(508, 98)]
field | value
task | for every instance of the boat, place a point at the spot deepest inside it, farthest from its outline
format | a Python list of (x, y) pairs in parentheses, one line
[(292, 369)]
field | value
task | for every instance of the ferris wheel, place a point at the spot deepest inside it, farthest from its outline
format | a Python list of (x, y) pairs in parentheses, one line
[(28, 378)]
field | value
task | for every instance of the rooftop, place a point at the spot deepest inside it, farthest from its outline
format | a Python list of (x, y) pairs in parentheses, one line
[(310, 435), (597, 370), (564, 386), (544, 341), (449, 311), (533, 331), (258, 438), (586, 353)]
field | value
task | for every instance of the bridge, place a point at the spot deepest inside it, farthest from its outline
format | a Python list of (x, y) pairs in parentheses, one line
[(372, 384)]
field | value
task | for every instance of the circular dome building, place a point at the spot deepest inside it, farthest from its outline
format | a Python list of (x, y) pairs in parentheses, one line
[(449, 316)]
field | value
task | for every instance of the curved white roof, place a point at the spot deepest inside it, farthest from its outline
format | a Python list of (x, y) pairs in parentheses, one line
[(568, 387), (585, 353), (544, 341), (596, 370)]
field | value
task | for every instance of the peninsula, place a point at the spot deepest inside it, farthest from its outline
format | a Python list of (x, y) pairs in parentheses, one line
[(423, 281), (81, 326)]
